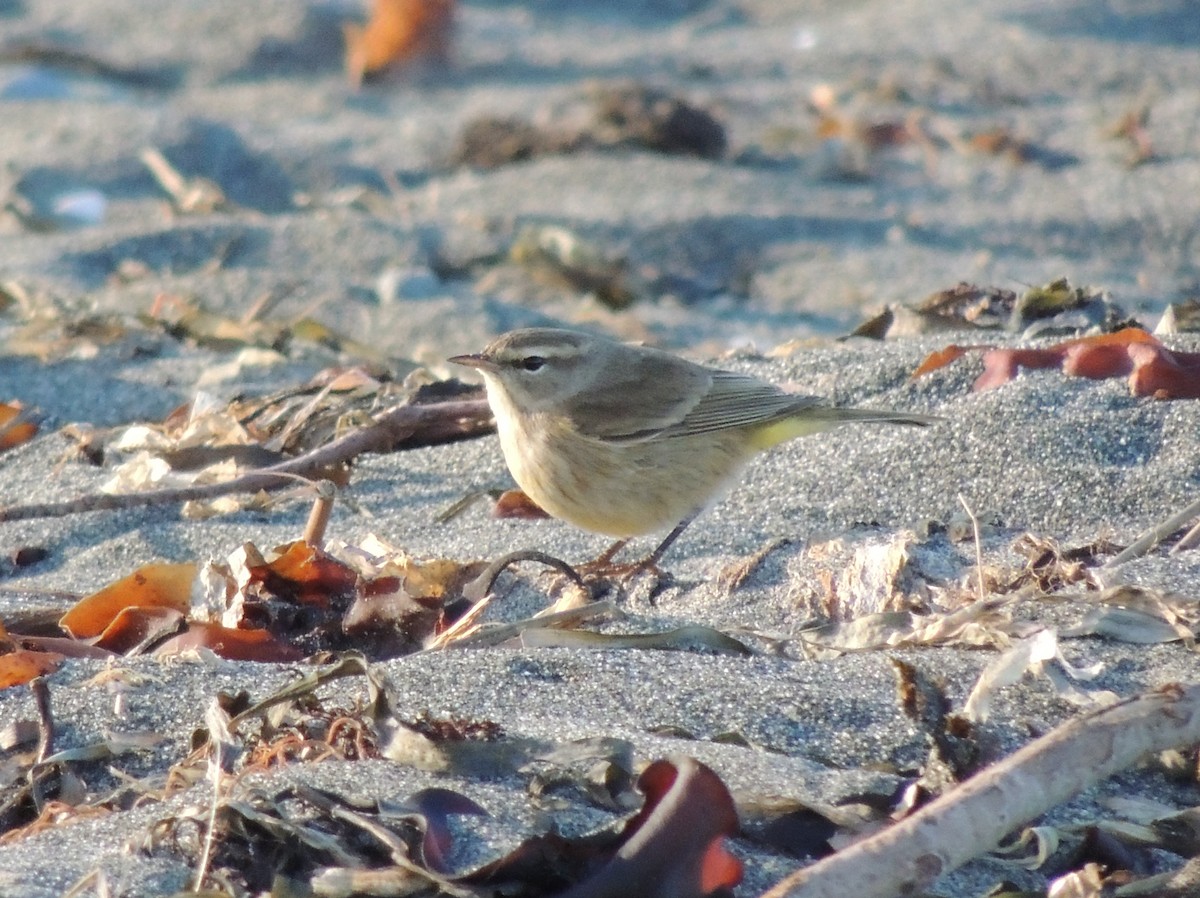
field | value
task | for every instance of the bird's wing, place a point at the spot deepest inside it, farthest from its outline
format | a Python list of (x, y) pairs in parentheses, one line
[(737, 400), (657, 397), (652, 393)]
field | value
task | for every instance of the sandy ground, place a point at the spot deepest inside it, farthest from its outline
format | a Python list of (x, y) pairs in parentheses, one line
[(346, 205)]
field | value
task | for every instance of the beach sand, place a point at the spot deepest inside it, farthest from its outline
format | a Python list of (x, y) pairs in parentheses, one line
[(346, 206)]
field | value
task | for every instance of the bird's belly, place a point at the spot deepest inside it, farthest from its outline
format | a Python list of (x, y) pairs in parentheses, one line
[(621, 490)]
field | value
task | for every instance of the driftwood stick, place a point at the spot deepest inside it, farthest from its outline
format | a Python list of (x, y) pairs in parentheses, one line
[(1154, 535), (1187, 542), (406, 426), (973, 818)]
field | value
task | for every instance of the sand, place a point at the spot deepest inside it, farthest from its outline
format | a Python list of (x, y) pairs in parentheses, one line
[(345, 204)]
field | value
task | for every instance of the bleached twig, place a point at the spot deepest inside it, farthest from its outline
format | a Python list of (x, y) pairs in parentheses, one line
[(973, 818), (1152, 537), (427, 424)]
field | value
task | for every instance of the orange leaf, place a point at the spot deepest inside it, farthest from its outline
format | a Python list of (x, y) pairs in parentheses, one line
[(1096, 357), (1125, 337), (21, 666), (677, 837), (398, 31), (234, 645), (1097, 362), (14, 434), (1165, 374), (515, 504), (1104, 355), (132, 626), (1153, 369), (303, 573), (1001, 365), (941, 358), (158, 585)]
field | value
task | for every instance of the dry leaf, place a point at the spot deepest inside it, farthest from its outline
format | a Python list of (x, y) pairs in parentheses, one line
[(1039, 654), (1153, 370), (141, 626), (398, 31), (20, 666), (231, 644), (982, 623), (878, 578), (941, 358), (1008, 669), (675, 846), (15, 428), (1140, 615), (516, 504), (158, 585), (1085, 883), (1050, 566), (690, 638)]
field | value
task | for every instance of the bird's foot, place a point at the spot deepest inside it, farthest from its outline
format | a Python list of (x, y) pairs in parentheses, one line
[(623, 575)]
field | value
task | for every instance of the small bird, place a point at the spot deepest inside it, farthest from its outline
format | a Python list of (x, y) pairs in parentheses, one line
[(628, 440)]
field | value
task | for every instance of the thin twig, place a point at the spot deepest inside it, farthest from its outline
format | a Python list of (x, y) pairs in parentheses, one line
[(210, 836), (220, 735), (482, 585), (41, 700), (978, 546), (318, 517), (1188, 541), (94, 881), (1150, 538), (498, 633), (271, 298), (406, 426), (73, 60), (187, 194)]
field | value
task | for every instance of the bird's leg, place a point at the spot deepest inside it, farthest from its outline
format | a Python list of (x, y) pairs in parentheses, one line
[(628, 571), (651, 561), (604, 559), (603, 565)]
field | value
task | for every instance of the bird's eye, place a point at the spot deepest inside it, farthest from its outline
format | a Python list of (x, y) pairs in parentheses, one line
[(532, 362)]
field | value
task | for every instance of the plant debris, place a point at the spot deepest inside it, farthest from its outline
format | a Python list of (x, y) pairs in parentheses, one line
[(1054, 307), (914, 852), (1050, 567), (406, 425), (17, 425), (398, 32), (189, 196), (1153, 369), (1133, 128), (337, 845), (624, 116), (563, 259)]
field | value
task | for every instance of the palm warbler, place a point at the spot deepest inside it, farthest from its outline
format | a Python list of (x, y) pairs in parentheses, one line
[(627, 440)]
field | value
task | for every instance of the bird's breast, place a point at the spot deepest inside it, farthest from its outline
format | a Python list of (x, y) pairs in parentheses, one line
[(618, 489)]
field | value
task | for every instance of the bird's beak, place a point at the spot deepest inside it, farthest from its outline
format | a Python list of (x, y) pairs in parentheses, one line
[(475, 360)]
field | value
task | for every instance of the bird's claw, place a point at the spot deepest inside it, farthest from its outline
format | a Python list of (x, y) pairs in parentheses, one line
[(623, 575)]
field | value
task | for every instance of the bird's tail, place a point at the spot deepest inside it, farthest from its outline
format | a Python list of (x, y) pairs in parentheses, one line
[(816, 418), (867, 415)]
